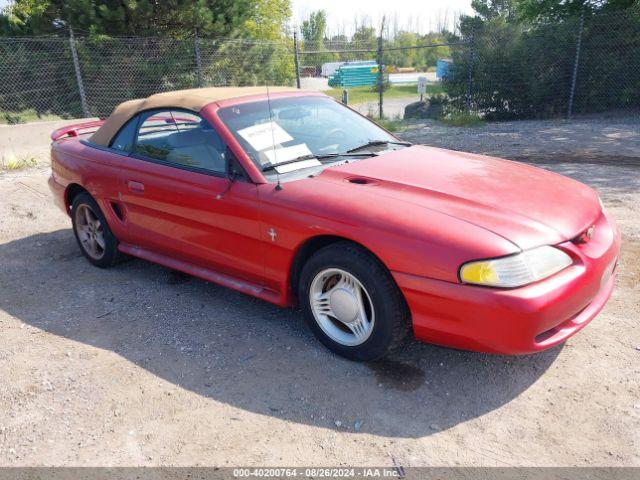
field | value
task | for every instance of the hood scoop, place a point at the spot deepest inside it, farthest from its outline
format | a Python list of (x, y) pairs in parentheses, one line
[(361, 181)]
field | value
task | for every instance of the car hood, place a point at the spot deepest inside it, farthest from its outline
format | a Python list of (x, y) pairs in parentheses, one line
[(526, 205)]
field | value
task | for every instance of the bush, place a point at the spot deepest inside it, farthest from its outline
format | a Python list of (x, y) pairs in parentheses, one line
[(525, 71), (13, 162), (389, 124), (462, 119)]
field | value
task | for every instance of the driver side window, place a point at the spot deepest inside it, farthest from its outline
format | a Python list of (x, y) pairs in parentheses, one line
[(182, 139)]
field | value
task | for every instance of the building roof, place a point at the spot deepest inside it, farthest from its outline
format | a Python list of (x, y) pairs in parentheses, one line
[(194, 99)]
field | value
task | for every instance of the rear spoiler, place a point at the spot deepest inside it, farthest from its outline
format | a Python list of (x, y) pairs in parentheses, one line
[(75, 130)]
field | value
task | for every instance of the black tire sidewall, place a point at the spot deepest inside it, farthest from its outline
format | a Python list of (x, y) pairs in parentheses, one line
[(111, 244), (387, 302)]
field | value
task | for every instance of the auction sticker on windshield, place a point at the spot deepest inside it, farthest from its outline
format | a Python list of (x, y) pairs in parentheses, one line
[(285, 154), (265, 135)]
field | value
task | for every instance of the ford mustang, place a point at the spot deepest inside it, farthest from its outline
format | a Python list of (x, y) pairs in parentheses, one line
[(296, 199)]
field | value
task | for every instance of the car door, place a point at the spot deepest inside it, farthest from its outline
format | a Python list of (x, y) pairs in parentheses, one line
[(180, 202)]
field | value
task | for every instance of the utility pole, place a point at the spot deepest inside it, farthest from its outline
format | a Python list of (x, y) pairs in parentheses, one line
[(472, 47), (380, 74), (76, 67), (576, 63), (198, 59), (295, 57)]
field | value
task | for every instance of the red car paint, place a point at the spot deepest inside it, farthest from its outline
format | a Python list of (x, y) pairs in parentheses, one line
[(422, 211)]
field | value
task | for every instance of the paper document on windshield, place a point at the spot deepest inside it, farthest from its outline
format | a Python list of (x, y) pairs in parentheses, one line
[(265, 135), (286, 154)]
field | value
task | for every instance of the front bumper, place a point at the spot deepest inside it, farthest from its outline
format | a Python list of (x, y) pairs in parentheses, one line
[(521, 320)]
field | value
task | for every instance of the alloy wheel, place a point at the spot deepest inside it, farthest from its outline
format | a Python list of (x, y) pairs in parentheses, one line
[(90, 232), (342, 307)]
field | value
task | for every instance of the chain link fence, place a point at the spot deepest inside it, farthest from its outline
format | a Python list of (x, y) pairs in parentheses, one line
[(377, 76), (497, 70), (579, 65), (42, 80)]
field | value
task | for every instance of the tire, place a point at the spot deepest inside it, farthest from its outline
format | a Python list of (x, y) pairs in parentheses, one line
[(106, 254), (329, 310)]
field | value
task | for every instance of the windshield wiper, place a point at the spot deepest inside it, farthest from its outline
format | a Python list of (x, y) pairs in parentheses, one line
[(271, 166), (377, 143)]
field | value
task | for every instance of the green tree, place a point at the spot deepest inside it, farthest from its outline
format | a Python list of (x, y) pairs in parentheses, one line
[(268, 20), (364, 36), (524, 54), (157, 53), (313, 31), (175, 18), (553, 10), (314, 28), (489, 9), (419, 58)]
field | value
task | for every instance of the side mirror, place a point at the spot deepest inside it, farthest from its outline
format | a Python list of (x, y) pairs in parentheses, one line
[(230, 180), (234, 172)]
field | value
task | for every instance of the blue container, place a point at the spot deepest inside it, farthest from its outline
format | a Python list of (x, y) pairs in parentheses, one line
[(442, 68), (355, 74)]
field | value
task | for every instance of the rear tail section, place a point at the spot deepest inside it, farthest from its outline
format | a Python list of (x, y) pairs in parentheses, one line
[(76, 130)]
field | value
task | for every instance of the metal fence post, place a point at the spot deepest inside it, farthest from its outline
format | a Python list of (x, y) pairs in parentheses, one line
[(198, 59), (380, 74), (472, 45), (76, 66), (576, 62), (296, 61)]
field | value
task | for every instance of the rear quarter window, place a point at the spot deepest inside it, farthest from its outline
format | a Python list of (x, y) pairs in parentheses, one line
[(123, 141)]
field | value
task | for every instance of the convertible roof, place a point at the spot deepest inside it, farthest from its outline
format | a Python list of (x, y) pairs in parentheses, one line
[(194, 99)]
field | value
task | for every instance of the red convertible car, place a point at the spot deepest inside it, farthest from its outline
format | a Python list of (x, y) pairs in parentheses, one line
[(294, 198)]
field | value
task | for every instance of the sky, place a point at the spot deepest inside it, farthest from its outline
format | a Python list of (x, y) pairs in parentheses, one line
[(418, 15)]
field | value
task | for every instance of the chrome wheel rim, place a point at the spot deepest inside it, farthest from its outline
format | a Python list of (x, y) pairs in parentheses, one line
[(90, 232), (342, 307)]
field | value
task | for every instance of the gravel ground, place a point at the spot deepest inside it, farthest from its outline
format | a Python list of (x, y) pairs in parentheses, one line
[(138, 365), (582, 140)]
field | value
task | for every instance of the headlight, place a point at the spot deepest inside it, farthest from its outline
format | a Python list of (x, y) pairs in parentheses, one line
[(516, 270)]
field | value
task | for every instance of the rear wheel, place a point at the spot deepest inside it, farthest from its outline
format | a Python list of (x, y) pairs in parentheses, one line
[(94, 237), (351, 303)]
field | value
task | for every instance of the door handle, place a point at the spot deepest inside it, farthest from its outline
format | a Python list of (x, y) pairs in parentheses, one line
[(135, 186)]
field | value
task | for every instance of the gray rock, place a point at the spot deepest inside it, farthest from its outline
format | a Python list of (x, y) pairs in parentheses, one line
[(432, 108)]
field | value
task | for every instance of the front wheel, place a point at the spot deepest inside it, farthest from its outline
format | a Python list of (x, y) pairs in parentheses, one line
[(351, 302)]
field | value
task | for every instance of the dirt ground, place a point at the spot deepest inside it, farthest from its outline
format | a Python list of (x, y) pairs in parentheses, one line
[(138, 365)]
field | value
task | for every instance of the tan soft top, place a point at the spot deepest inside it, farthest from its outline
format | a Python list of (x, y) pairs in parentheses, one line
[(194, 99)]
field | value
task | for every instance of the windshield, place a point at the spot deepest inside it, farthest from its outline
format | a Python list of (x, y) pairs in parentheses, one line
[(308, 129)]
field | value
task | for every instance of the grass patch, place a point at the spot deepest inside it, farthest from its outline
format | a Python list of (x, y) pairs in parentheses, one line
[(462, 119), (12, 162), (389, 124), (12, 118), (369, 94), (392, 125)]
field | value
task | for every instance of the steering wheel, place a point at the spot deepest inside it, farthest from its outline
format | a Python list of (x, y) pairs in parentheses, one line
[(335, 135)]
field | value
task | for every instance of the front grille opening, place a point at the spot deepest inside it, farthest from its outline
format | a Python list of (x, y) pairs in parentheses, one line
[(546, 335)]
